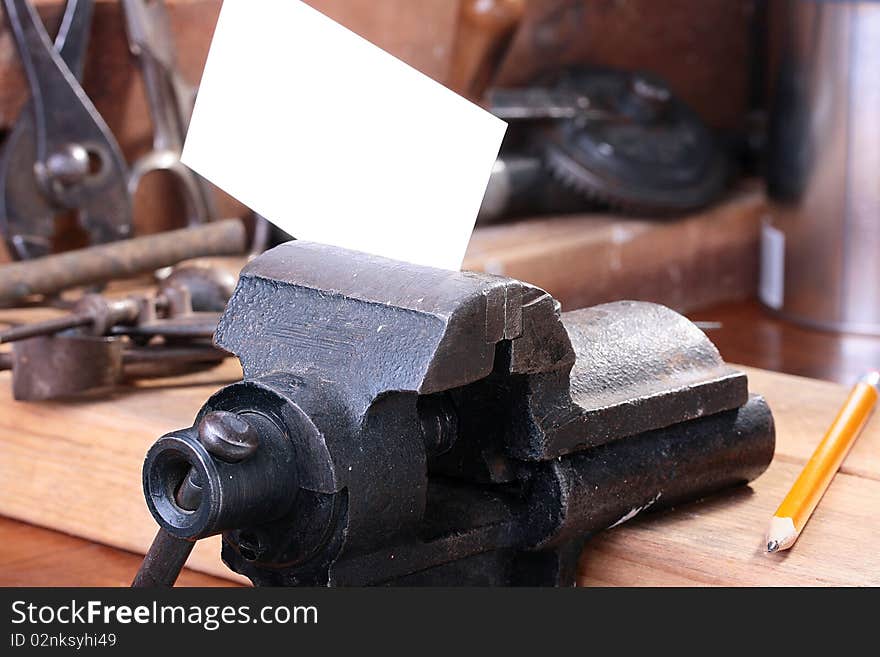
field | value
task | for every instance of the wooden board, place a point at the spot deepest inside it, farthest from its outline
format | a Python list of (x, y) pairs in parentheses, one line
[(686, 263), (700, 47), (76, 467), (698, 52), (33, 556)]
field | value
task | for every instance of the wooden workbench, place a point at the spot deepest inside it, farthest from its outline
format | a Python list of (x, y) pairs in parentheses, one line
[(46, 448)]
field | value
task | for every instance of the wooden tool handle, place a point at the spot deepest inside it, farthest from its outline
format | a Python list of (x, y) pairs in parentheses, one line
[(485, 29)]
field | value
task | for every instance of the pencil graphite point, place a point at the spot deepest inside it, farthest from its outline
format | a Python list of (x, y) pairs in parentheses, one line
[(781, 534)]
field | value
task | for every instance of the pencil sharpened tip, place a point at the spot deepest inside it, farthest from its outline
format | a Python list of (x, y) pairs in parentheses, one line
[(772, 546)]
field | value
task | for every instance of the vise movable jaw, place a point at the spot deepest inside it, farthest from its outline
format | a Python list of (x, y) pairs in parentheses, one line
[(418, 426)]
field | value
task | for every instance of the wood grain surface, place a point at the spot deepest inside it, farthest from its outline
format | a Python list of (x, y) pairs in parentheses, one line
[(34, 556), (686, 263), (749, 333), (703, 48), (75, 466)]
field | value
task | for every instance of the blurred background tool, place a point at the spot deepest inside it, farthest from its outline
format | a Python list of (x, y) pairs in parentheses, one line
[(66, 366), (592, 138), (821, 242), (170, 100), (583, 138), (98, 264), (169, 312), (104, 341), (60, 157)]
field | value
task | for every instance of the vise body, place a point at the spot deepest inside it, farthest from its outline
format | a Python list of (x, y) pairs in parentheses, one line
[(399, 424)]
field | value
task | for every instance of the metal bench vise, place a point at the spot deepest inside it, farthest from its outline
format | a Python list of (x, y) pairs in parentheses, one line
[(404, 425)]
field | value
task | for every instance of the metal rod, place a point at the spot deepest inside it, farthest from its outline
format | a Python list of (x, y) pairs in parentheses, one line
[(206, 354), (168, 554), (163, 562), (97, 264), (48, 327), (89, 310)]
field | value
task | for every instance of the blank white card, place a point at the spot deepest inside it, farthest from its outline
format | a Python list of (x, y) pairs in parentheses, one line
[(336, 141)]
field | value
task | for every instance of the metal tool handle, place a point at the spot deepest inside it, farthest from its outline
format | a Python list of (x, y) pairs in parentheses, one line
[(72, 40), (27, 212), (42, 67), (546, 103), (55, 273), (171, 101), (39, 61), (169, 97), (163, 562), (78, 164), (47, 327)]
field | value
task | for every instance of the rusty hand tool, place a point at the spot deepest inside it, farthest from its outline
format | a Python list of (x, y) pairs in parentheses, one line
[(92, 312), (60, 156), (171, 102), (99, 264), (208, 285), (399, 424), (71, 365), (169, 312), (591, 138), (136, 316), (73, 355)]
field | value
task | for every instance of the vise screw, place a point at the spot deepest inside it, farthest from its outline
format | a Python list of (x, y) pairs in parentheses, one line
[(399, 424)]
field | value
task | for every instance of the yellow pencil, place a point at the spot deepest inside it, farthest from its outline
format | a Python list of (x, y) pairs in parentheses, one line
[(797, 507)]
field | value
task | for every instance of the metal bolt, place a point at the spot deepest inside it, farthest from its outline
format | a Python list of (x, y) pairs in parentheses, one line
[(68, 165), (189, 493), (228, 436)]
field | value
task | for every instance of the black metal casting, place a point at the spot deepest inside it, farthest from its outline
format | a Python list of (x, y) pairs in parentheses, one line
[(420, 426)]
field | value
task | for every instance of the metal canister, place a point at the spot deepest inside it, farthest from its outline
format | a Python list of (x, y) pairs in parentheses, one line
[(821, 238)]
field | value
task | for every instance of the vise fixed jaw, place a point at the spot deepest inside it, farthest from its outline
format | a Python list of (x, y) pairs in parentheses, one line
[(420, 426)]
